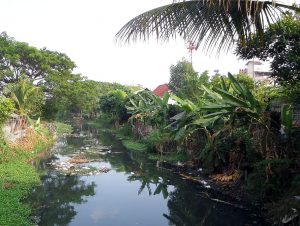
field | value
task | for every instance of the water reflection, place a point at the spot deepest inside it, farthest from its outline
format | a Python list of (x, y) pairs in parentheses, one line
[(134, 192), (188, 204), (54, 199)]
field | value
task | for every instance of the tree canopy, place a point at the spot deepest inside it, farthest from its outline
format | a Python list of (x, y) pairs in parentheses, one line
[(279, 43), (19, 59), (178, 73)]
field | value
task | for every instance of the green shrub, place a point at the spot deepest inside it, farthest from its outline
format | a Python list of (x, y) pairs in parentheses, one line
[(62, 128), (17, 178), (270, 177), (16, 181), (125, 131), (161, 141), (105, 121), (233, 149), (113, 103), (134, 146), (6, 108)]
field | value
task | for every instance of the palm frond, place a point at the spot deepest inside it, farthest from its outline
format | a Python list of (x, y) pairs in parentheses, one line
[(211, 23)]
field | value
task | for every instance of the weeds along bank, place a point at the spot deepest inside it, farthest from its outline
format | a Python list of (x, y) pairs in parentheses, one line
[(17, 174)]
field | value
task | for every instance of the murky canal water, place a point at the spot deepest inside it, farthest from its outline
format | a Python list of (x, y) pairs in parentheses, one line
[(132, 191)]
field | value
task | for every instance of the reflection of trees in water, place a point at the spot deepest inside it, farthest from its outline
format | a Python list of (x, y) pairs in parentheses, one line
[(186, 210), (53, 199), (141, 170), (107, 138), (74, 141), (148, 178), (187, 205)]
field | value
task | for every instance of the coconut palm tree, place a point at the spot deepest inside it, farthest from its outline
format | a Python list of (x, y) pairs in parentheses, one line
[(214, 24), (22, 93)]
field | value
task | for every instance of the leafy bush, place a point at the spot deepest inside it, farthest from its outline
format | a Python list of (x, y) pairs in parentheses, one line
[(104, 121), (125, 130), (114, 104), (62, 128), (230, 149), (18, 176), (6, 108), (134, 146), (288, 205), (16, 181), (270, 177), (161, 141)]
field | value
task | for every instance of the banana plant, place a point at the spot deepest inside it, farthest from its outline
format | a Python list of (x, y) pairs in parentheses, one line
[(221, 107), (149, 107), (186, 132), (229, 103)]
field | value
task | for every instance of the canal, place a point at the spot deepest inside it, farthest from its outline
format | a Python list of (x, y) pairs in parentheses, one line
[(90, 179)]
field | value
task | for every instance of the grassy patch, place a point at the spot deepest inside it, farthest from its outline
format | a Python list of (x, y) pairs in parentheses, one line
[(134, 145), (16, 181), (124, 134), (18, 177)]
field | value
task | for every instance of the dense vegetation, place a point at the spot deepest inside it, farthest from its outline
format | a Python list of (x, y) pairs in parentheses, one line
[(230, 131), (38, 84), (18, 176), (227, 125)]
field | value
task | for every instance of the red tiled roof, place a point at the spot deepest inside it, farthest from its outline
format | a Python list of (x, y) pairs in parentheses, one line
[(161, 90)]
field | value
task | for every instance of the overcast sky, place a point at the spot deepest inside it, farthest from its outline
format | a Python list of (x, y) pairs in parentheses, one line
[(85, 30)]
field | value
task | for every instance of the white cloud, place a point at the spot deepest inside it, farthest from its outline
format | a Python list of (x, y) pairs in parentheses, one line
[(103, 213)]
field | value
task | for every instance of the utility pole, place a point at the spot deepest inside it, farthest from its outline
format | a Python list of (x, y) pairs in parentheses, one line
[(191, 47)]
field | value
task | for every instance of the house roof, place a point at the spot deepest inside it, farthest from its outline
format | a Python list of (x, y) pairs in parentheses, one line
[(161, 90), (255, 62)]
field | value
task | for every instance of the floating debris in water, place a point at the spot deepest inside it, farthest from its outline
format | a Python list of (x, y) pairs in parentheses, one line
[(82, 160), (78, 159), (104, 170), (203, 182), (77, 166)]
